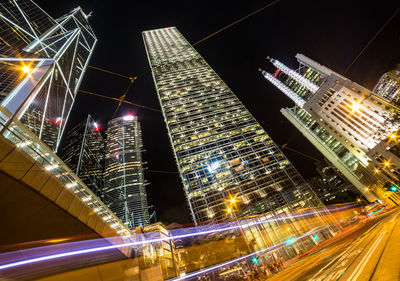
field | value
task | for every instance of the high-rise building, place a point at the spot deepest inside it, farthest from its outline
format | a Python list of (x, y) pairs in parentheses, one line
[(125, 186), (388, 85), (83, 150), (344, 120), (220, 149), (42, 63)]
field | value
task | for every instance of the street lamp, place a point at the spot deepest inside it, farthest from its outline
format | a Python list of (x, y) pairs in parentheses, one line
[(26, 69), (393, 137), (230, 210), (386, 163), (355, 106)]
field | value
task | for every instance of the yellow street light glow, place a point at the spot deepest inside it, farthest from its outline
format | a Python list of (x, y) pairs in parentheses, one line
[(376, 171), (232, 200), (386, 163), (26, 69), (355, 106), (229, 210), (367, 189), (393, 137)]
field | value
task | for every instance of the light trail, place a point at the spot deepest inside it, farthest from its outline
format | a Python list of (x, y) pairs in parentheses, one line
[(148, 241), (212, 268)]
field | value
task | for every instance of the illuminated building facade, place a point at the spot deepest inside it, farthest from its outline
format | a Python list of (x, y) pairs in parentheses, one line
[(125, 186), (160, 256), (83, 151), (219, 147), (344, 120), (42, 63), (388, 85)]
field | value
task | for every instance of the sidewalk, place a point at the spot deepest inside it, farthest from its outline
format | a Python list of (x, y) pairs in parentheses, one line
[(388, 268)]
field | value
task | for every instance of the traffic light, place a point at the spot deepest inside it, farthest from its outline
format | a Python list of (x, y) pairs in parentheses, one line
[(315, 237), (254, 260), (391, 187), (394, 188)]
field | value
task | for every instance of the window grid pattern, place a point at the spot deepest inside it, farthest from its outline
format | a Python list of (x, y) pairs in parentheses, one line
[(219, 147), (125, 186), (83, 151)]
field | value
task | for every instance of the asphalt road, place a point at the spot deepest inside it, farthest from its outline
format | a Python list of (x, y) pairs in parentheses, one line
[(371, 251)]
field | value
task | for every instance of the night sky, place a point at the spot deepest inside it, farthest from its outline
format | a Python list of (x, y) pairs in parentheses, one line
[(330, 32)]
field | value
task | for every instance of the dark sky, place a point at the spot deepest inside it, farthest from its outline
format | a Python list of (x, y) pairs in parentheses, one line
[(330, 32)]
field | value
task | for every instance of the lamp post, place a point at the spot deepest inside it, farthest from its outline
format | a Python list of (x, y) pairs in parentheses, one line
[(231, 211)]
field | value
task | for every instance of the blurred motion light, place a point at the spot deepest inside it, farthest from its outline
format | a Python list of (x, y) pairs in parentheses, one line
[(290, 241)]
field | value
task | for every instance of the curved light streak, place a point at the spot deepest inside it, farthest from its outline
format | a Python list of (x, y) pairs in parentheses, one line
[(212, 268), (148, 241)]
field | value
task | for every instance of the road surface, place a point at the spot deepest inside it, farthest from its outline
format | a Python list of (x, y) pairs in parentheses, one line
[(370, 252)]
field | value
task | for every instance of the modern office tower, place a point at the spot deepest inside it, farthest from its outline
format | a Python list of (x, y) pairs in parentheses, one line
[(344, 120), (83, 150), (42, 63), (221, 151), (125, 186), (388, 85)]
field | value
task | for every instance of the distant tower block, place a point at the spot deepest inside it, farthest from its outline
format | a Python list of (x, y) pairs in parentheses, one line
[(125, 186)]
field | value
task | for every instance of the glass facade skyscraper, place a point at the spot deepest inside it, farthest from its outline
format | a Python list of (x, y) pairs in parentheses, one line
[(125, 186), (220, 149), (83, 150), (42, 63)]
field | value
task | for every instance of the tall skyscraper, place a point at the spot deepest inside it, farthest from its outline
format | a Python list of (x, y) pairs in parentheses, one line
[(220, 149), (125, 186), (344, 120), (388, 85), (43, 61), (83, 150)]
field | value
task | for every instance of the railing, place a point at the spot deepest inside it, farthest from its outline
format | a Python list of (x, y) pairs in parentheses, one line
[(13, 130)]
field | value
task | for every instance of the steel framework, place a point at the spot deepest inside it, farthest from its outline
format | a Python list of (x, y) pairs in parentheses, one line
[(42, 64)]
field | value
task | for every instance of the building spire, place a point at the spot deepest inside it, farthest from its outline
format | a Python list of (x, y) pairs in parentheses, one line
[(294, 75), (285, 89)]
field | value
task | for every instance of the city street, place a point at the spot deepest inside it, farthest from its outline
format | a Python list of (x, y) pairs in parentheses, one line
[(254, 141), (370, 252)]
